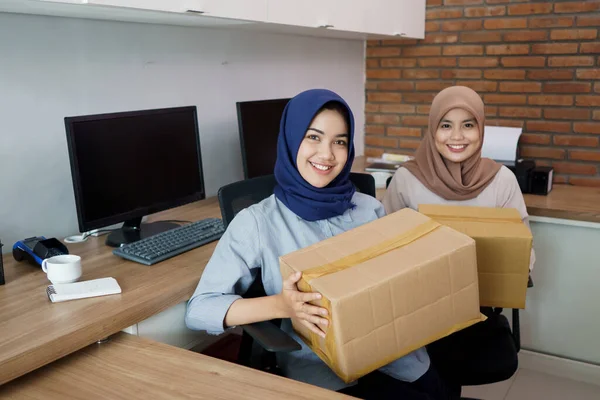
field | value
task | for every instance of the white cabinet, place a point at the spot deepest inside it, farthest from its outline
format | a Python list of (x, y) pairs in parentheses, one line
[(178, 6), (341, 15), (405, 18), (410, 18), (154, 5), (355, 19), (348, 15), (247, 10), (151, 5), (66, 1), (380, 17), (377, 17), (307, 13)]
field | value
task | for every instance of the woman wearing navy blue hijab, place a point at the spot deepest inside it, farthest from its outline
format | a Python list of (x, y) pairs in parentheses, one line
[(313, 176), (313, 200)]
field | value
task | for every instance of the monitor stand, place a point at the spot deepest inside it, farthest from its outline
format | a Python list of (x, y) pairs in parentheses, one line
[(133, 230)]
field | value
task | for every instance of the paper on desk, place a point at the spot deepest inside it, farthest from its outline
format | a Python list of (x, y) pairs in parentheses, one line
[(500, 143)]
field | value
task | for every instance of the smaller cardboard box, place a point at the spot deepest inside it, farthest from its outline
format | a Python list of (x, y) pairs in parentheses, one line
[(391, 286), (503, 249)]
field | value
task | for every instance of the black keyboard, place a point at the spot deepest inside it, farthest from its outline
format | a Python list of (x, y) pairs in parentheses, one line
[(161, 246)]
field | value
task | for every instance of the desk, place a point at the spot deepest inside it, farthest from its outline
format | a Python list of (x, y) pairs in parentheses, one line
[(35, 332), (576, 203), (566, 202), (129, 367)]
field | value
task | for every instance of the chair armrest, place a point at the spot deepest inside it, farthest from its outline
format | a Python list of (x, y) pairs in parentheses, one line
[(271, 338), (516, 321), (516, 328)]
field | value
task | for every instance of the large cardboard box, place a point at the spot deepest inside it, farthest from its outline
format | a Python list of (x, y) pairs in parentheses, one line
[(391, 286), (503, 249)]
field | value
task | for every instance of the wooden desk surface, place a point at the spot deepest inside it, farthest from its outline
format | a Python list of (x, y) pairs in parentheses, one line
[(35, 332), (564, 201), (128, 367), (567, 202)]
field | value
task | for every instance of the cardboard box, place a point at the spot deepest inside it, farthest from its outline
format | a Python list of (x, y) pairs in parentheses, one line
[(503, 249), (391, 286)]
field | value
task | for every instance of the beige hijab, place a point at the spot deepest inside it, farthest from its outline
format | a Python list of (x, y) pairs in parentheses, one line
[(447, 179)]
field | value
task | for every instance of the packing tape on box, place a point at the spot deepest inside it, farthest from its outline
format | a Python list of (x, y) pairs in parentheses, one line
[(377, 250)]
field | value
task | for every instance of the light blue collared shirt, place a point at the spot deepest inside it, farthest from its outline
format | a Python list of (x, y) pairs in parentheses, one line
[(252, 244)]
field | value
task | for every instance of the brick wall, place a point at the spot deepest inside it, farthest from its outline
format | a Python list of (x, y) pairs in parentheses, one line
[(536, 65)]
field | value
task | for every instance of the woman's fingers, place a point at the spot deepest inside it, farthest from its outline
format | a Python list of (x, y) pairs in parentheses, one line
[(310, 315), (307, 297), (301, 297), (313, 319), (313, 328), (313, 310), (290, 282)]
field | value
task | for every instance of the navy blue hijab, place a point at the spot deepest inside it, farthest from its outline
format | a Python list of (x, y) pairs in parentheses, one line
[(306, 201)]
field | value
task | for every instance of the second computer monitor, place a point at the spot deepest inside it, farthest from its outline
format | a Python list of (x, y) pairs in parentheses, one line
[(259, 127)]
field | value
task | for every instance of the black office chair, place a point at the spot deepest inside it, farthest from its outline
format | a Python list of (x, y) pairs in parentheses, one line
[(364, 183), (266, 336)]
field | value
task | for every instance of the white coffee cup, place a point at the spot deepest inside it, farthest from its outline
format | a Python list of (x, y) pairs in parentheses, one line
[(62, 269)]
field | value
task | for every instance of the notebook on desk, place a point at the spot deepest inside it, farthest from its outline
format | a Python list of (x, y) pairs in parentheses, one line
[(80, 290)]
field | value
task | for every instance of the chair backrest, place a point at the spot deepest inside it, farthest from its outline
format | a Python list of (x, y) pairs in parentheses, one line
[(364, 183), (236, 196)]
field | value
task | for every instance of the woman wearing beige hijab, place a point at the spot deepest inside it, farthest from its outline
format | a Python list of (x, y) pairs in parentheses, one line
[(448, 169)]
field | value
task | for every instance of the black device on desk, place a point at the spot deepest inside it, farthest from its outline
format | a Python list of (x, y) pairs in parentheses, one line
[(522, 170), (130, 164), (36, 249), (541, 180), (532, 179)]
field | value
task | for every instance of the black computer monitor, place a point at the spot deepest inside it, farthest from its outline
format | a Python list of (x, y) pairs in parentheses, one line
[(130, 164), (258, 123)]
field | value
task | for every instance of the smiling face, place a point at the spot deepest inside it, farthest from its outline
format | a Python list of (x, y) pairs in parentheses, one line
[(457, 136), (324, 150)]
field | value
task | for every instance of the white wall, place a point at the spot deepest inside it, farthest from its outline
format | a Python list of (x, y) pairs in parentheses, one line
[(56, 67)]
